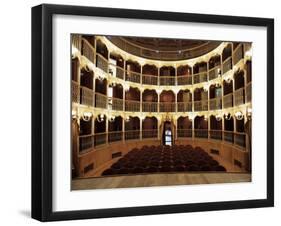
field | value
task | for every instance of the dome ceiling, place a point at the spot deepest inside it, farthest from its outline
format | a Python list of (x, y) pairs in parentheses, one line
[(164, 49)]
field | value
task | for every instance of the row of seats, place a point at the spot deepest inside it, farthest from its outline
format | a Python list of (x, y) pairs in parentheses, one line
[(153, 159)]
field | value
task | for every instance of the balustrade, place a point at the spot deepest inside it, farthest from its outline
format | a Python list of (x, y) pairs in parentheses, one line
[(88, 51), (201, 105), (215, 134), (86, 142), (184, 106), (114, 136), (167, 107), (131, 105), (215, 103), (201, 133), (227, 65), (75, 92), (132, 76), (214, 72), (132, 135), (149, 79), (167, 80), (149, 106), (249, 92), (153, 133), (76, 41), (102, 63), (238, 54), (101, 100), (87, 96), (239, 96), (184, 80), (228, 100), (200, 77), (117, 104), (184, 133)]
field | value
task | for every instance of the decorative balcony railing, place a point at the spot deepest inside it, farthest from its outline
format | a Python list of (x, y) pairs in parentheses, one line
[(239, 96), (184, 106), (227, 65), (200, 77), (215, 103), (115, 136), (101, 100), (201, 105), (201, 133), (75, 92), (86, 142), (120, 72), (102, 63), (132, 135), (149, 106), (100, 138), (228, 100), (117, 104), (215, 134), (240, 139), (131, 105), (184, 133), (88, 50), (167, 107), (184, 80), (87, 96), (238, 54), (146, 134), (167, 80), (249, 92), (76, 41), (149, 79), (228, 136), (214, 72), (132, 76)]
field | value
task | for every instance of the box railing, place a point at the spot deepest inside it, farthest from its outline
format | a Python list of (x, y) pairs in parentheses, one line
[(238, 54), (227, 65), (184, 79), (184, 106), (132, 105), (87, 96), (102, 62), (239, 96), (149, 106), (152, 133), (214, 72), (215, 103), (184, 133), (132, 76), (167, 107), (228, 100), (75, 92), (149, 79), (101, 100), (167, 80)]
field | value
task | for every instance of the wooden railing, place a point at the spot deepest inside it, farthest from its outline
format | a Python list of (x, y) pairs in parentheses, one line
[(149, 79), (132, 76), (132, 105), (101, 100), (201, 133), (149, 107), (184, 80), (239, 96), (214, 72), (200, 77), (240, 139), (102, 63), (238, 54), (227, 65), (117, 104), (228, 100), (120, 72), (87, 96), (201, 105), (152, 133), (100, 139), (215, 103), (86, 142), (215, 134), (75, 92), (184, 107), (167, 107), (88, 50), (184, 132), (167, 80), (228, 136), (114, 136), (132, 134), (249, 92)]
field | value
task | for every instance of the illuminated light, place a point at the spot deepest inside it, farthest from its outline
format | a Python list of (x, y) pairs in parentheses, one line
[(218, 118), (248, 53), (87, 116), (239, 115), (227, 117), (74, 113)]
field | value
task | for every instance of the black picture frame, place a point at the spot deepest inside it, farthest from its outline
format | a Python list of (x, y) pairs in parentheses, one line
[(42, 108)]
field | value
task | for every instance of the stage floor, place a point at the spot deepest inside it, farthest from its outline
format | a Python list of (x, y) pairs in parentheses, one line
[(159, 179)]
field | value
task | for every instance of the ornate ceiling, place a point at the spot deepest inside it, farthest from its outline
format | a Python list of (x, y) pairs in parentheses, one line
[(164, 49)]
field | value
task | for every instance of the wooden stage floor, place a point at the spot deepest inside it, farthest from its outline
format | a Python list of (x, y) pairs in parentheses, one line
[(164, 179)]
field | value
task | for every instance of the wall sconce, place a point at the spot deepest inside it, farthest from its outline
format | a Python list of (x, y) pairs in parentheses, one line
[(205, 117), (111, 118), (100, 118), (87, 116), (218, 117), (126, 87), (239, 115), (249, 112), (228, 116), (127, 119)]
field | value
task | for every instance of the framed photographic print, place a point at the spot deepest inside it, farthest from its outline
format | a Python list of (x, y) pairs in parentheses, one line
[(146, 112)]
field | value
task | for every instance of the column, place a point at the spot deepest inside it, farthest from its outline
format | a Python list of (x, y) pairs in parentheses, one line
[(94, 90), (124, 98), (106, 128), (176, 75), (158, 76), (209, 127), (176, 101), (141, 91), (158, 102), (95, 52), (193, 126), (208, 70), (222, 128), (141, 75), (140, 128), (123, 130)]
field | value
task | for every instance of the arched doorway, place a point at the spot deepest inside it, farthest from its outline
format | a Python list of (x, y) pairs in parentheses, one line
[(167, 134)]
